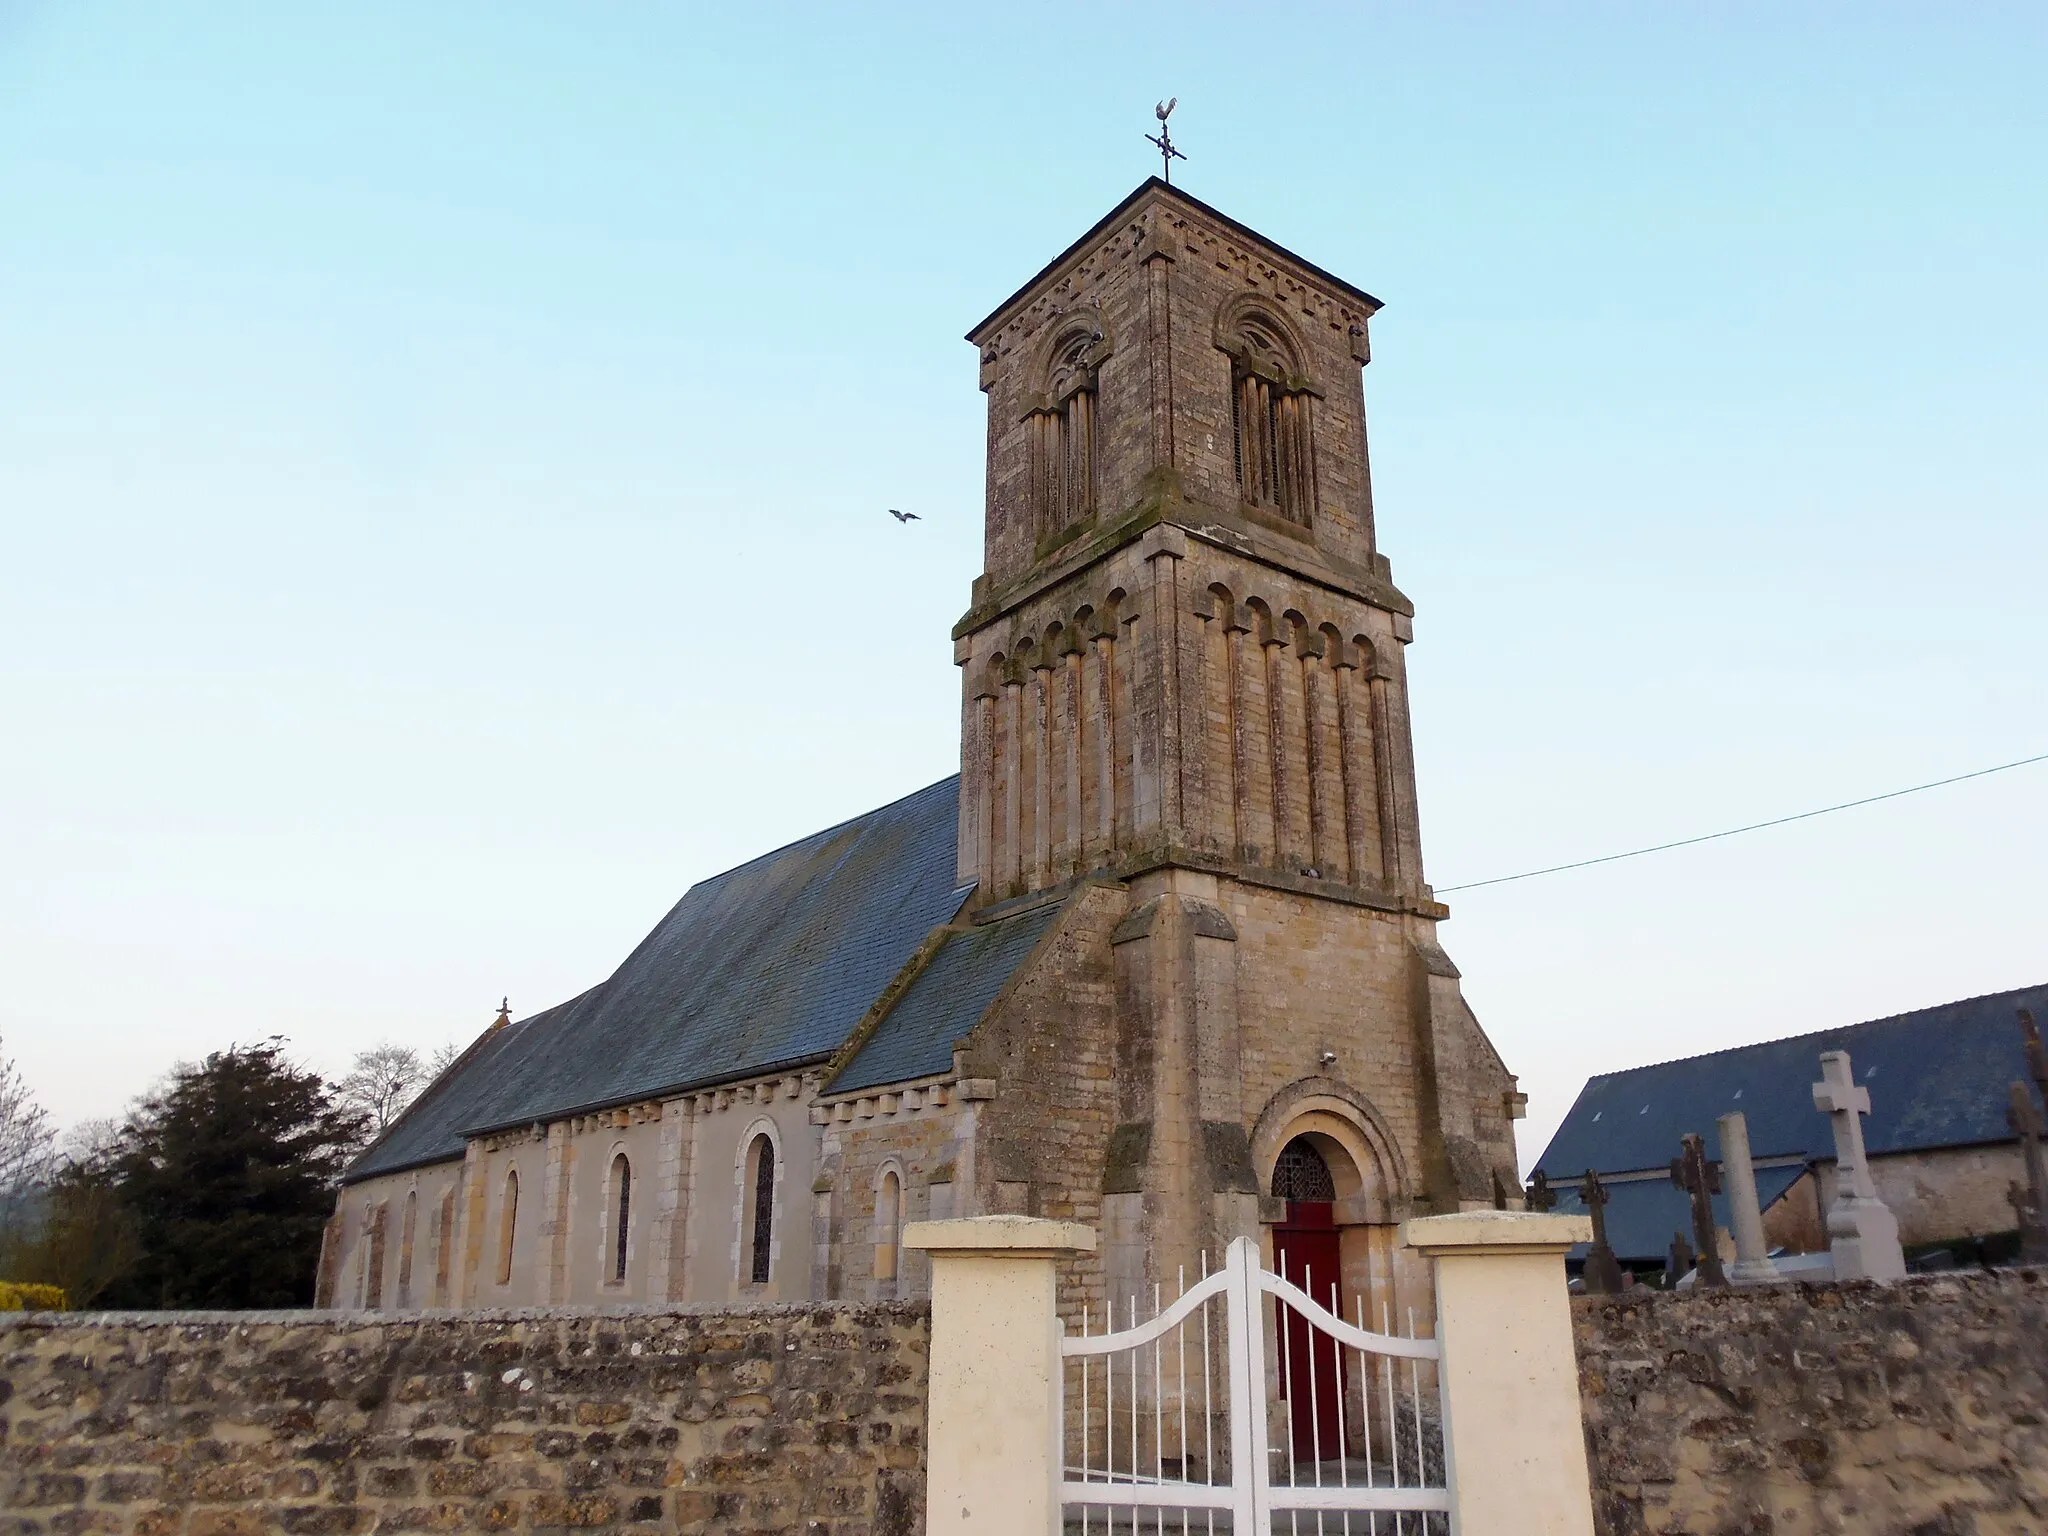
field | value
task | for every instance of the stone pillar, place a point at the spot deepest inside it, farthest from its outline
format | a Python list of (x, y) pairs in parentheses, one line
[(993, 1451), (1752, 1258), (671, 1207), (1514, 1452), (552, 1283)]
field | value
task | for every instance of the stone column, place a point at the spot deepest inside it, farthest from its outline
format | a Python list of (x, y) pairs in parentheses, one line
[(1041, 769), (1514, 1451), (993, 1442), (1752, 1259), (1354, 763), (1072, 860), (1010, 863), (1279, 739)]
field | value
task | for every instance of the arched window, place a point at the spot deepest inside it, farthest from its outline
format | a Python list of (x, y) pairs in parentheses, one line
[(1062, 431), (888, 1224), (761, 1185), (1301, 1174), (1271, 429), (508, 1223), (621, 1204), (406, 1230)]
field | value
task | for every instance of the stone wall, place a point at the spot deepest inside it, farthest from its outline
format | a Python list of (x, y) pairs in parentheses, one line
[(1913, 1410), (774, 1419)]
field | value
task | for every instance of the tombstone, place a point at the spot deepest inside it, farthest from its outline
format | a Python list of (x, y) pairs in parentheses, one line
[(1539, 1196), (1753, 1264), (2030, 1200), (1700, 1179), (1602, 1272), (1679, 1262), (1863, 1235)]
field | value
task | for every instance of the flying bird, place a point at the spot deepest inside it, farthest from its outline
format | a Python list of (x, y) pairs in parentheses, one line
[(905, 517)]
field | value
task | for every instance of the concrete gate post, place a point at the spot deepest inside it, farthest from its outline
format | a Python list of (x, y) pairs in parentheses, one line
[(1514, 1445), (993, 1430)]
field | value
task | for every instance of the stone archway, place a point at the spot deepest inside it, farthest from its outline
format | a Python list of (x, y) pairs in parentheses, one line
[(1380, 1281)]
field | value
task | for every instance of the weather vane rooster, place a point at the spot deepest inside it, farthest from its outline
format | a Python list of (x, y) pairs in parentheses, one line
[(1164, 138)]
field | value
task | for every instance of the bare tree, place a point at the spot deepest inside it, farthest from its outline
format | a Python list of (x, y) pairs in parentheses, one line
[(27, 1140), (443, 1058), (382, 1082), (27, 1160)]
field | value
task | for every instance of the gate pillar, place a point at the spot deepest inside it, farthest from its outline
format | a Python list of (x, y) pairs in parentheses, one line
[(1514, 1446), (993, 1428)]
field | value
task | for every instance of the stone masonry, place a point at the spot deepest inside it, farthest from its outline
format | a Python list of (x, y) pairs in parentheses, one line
[(775, 1419), (1916, 1409)]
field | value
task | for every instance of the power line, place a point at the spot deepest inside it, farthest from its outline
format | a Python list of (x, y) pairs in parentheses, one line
[(1755, 826)]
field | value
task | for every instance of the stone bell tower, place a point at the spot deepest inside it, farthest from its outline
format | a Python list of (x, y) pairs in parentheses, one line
[(1183, 673)]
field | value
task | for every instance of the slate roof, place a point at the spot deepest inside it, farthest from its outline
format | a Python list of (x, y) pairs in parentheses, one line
[(770, 964), (1938, 1077), (1642, 1214), (953, 990)]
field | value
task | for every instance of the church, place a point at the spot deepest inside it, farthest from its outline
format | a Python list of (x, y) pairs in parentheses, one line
[(1160, 958)]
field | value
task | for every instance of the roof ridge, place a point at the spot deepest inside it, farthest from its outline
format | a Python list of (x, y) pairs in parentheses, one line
[(1730, 1050), (797, 842)]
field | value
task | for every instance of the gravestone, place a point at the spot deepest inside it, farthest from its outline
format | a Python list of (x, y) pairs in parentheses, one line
[(1602, 1272), (1679, 1262), (1540, 1196), (1863, 1235), (1700, 1179), (1753, 1264)]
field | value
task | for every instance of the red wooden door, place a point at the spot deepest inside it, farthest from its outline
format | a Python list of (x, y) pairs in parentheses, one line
[(1311, 1365)]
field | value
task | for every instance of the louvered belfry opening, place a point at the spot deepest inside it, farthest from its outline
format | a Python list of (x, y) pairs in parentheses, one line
[(1063, 437), (1270, 413)]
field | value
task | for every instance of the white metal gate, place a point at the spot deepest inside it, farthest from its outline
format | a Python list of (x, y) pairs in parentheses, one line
[(1169, 1423)]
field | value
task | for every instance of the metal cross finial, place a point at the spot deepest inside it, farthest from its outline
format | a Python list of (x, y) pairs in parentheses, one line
[(1164, 138)]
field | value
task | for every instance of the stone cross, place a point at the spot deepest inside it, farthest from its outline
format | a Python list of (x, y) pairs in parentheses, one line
[(1602, 1273), (1745, 1212), (1701, 1179), (1863, 1235), (2029, 1201), (1837, 1096), (1540, 1197)]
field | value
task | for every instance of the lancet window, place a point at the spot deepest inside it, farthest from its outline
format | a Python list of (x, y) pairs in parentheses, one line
[(1271, 423), (622, 1215), (761, 1234)]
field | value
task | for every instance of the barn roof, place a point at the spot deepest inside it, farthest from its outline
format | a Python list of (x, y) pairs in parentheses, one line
[(1938, 1077), (768, 965)]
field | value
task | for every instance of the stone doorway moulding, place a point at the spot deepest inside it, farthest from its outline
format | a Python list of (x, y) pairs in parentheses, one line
[(1379, 1281)]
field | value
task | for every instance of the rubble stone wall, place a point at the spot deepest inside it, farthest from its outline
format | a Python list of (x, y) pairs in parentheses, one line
[(1919, 1409), (773, 1419)]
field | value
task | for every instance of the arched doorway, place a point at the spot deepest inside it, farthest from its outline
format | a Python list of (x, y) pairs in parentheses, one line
[(1306, 1252)]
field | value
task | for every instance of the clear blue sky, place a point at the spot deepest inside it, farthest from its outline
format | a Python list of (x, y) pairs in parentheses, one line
[(443, 453)]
